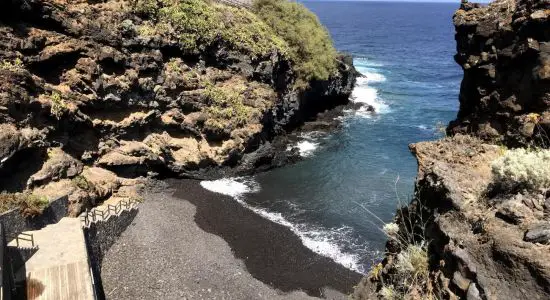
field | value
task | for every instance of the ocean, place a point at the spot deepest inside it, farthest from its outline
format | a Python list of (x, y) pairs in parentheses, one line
[(351, 181)]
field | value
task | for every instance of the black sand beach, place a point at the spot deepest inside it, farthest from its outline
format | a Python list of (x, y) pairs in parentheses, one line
[(173, 250)]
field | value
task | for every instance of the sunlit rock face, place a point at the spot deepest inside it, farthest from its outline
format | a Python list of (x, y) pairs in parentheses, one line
[(504, 50), (103, 86)]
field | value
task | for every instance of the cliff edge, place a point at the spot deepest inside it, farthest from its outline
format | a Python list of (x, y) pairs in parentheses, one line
[(152, 88)]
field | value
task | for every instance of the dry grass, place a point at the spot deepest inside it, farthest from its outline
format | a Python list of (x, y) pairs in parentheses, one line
[(523, 168), (406, 275), (29, 204)]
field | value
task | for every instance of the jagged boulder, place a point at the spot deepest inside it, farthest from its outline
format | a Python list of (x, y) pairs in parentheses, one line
[(58, 165), (504, 50)]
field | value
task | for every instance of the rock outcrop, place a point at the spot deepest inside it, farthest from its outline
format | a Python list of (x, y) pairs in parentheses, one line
[(479, 239), (484, 243), (504, 49), (88, 84), (480, 229)]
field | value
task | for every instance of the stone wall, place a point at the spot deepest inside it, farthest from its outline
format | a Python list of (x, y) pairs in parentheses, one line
[(15, 223), (100, 235)]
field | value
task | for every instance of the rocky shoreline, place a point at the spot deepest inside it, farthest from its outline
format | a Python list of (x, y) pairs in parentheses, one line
[(175, 249), (88, 85)]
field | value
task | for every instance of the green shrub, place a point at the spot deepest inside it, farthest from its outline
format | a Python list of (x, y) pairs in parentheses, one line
[(199, 24), (311, 47), (147, 8), (226, 103), (195, 20), (280, 25), (82, 183), (29, 204), (58, 105)]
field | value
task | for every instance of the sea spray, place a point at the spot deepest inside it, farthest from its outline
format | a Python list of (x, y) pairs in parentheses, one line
[(325, 242), (308, 143), (365, 91)]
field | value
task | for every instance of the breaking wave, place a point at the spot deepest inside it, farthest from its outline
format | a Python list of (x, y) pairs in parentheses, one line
[(325, 242)]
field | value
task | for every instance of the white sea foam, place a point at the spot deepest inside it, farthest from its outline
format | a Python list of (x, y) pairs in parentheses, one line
[(368, 95), (361, 61), (370, 77), (308, 143), (319, 240), (424, 127), (307, 148), (234, 187), (365, 91)]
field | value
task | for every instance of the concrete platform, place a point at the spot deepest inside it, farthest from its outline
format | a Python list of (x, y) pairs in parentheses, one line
[(60, 269)]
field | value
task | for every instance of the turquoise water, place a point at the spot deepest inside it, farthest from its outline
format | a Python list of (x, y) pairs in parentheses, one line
[(405, 50)]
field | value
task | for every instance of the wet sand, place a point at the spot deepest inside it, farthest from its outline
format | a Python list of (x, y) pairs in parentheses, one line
[(187, 242)]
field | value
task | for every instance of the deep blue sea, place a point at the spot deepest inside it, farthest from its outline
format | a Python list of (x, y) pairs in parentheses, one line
[(405, 51)]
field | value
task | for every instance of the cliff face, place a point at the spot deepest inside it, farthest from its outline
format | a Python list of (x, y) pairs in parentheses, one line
[(504, 49), (477, 239), (91, 84), (480, 233)]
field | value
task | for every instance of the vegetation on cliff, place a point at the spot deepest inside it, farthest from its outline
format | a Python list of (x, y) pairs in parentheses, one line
[(523, 168), (310, 44), (474, 205), (28, 204), (147, 87), (201, 24), (273, 25)]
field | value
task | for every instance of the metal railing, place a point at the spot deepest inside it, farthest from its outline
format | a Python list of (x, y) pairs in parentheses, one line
[(95, 214), (23, 237)]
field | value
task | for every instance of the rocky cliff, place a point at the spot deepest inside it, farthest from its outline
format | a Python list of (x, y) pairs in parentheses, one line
[(465, 235), (504, 49), (476, 238), (104, 86)]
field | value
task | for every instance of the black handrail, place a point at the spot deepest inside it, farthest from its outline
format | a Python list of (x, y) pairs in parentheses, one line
[(104, 214), (24, 237)]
